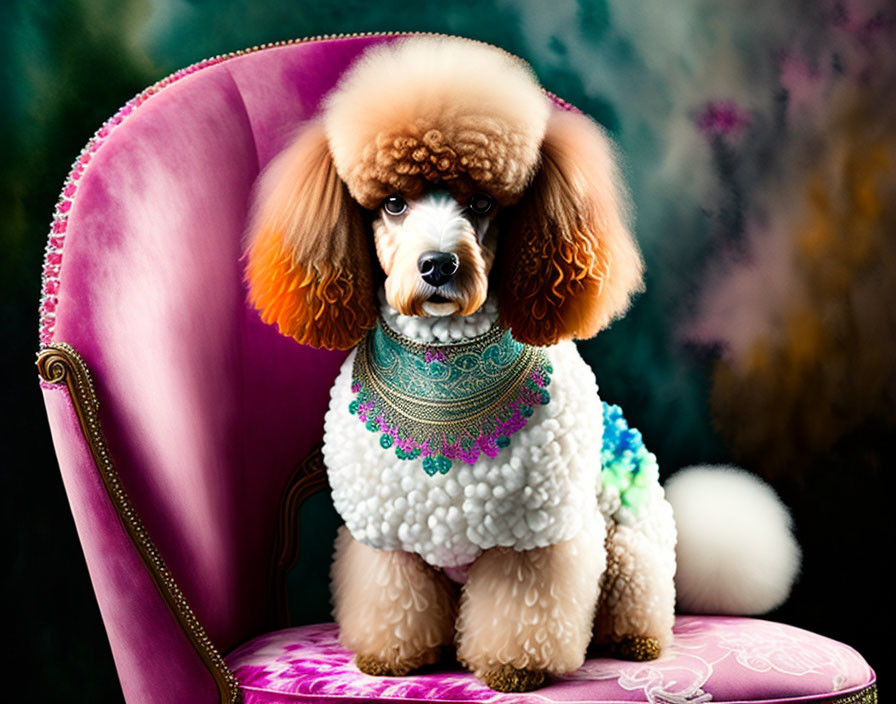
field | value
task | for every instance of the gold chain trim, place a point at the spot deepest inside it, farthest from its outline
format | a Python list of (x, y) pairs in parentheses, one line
[(59, 363), (865, 696), (480, 342), (447, 401), (420, 412)]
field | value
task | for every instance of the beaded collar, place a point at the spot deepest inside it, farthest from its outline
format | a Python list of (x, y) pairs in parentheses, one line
[(447, 401)]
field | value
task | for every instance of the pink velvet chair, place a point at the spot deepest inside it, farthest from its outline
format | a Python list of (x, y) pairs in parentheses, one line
[(181, 422)]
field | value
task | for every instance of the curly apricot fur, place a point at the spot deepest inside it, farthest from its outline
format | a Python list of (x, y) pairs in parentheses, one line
[(425, 110), (476, 153), (567, 264), (318, 308), (310, 269)]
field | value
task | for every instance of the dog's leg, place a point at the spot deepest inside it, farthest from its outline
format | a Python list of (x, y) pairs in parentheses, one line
[(394, 611), (526, 615), (637, 603)]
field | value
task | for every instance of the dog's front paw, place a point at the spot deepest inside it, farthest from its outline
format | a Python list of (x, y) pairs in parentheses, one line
[(511, 679), (372, 665), (637, 648)]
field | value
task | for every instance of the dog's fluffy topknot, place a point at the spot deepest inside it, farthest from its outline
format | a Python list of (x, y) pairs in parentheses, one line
[(433, 109)]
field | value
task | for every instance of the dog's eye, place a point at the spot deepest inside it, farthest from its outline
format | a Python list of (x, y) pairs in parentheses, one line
[(481, 204), (394, 205)]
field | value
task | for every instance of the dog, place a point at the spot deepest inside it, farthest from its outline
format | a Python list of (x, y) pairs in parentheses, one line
[(456, 228)]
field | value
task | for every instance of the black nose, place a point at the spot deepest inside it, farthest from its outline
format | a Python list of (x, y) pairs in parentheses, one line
[(437, 268)]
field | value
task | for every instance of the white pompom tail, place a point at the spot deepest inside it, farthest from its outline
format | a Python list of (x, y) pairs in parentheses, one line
[(736, 551)]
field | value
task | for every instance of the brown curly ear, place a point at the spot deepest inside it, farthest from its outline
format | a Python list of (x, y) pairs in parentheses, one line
[(309, 268), (567, 264)]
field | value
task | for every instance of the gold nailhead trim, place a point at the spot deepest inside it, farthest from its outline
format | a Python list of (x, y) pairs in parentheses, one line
[(59, 363)]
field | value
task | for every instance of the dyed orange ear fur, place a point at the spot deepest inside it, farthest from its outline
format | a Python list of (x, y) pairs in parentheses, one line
[(567, 263), (309, 267)]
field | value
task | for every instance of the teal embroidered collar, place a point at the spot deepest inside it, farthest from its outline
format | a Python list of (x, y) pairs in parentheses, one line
[(447, 401)]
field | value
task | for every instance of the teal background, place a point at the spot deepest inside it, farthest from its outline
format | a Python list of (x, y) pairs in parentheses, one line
[(755, 139)]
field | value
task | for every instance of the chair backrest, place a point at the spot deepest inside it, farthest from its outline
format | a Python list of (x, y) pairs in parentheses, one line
[(204, 410)]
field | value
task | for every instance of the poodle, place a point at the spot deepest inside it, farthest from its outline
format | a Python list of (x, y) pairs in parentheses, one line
[(456, 228)]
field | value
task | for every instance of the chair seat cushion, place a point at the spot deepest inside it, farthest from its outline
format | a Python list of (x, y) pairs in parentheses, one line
[(713, 659)]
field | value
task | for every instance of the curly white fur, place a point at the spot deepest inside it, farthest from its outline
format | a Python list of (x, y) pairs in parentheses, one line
[(534, 494)]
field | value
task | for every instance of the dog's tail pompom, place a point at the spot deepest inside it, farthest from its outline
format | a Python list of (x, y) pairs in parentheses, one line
[(736, 550)]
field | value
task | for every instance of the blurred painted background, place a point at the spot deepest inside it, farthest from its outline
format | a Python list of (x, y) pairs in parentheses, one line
[(760, 146)]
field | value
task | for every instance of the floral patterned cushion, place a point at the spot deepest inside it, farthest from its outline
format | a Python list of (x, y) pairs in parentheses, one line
[(713, 659)]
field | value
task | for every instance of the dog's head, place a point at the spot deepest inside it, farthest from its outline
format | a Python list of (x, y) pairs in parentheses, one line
[(471, 177)]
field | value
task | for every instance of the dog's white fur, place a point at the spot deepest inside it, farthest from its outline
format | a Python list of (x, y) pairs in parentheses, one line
[(736, 549)]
